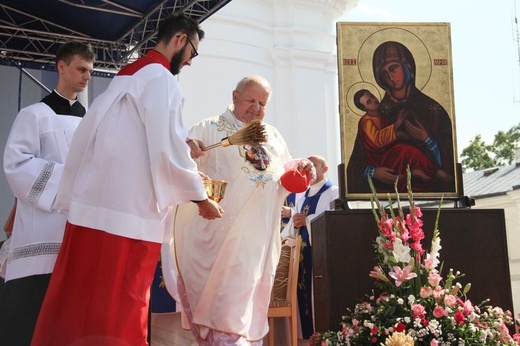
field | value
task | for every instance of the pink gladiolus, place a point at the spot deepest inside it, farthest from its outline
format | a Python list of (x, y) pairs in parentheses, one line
[(405, 235), (434, 279), (417, 234), (402, 275), (388, 232), (439, 312), (417, 211), (434, 343), (389, 245), (401, 224), (417, 246), (386, 224), (413, 222)]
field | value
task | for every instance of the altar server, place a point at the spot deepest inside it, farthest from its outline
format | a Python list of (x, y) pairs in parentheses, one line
[(128, 165), (34, 157)]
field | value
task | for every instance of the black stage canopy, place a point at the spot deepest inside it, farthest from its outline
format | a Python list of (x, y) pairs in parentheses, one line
[(119, 30)]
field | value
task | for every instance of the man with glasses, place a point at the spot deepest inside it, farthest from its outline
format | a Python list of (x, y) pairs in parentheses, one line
[(128, 166), (194, 53)]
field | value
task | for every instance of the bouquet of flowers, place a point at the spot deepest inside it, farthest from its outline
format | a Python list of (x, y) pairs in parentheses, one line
[(417, 306)]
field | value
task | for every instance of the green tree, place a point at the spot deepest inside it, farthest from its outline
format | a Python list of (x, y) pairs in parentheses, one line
[(478, 155)]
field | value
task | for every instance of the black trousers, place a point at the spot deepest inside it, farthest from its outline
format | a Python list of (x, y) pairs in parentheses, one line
[(20, 303)]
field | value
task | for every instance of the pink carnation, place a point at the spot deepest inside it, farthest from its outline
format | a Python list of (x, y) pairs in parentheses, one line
[(439, 312), (400, 327), (459, 317), (450, 300), (428, 264), (468, 307), (516, 337), (438, 293), (418, 310)]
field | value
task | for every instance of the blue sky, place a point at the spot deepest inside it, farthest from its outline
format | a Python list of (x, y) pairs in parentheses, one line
[(485, 54)]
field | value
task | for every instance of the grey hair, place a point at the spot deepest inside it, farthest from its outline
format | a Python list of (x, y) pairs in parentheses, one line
[(253, 80)]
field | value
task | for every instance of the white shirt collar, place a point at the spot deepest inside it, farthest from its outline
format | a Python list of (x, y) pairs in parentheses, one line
[(313, 189), (238, 123), (66, 98)]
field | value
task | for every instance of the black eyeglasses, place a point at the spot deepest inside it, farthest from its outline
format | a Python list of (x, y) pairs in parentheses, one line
[(195, 53)]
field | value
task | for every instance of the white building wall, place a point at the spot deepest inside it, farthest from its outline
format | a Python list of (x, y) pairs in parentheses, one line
[(290, 43)]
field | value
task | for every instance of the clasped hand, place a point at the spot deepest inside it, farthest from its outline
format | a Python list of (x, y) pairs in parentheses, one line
[(299, 220), (210, 210)]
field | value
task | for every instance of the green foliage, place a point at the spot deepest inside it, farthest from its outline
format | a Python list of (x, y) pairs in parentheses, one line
[(478, 155)]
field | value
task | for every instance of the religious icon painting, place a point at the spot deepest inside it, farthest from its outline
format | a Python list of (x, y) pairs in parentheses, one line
[(396, 108)]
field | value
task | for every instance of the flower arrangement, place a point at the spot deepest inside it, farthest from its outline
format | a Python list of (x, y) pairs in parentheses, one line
[(417, 306)]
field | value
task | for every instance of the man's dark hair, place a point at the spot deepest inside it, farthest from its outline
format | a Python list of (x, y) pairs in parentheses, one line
[(67, 51), (176, 23)]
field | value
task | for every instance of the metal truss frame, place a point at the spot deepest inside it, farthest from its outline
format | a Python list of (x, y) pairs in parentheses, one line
[(27, 38)]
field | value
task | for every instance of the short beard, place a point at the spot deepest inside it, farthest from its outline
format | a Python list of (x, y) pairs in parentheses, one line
[(176, 61)]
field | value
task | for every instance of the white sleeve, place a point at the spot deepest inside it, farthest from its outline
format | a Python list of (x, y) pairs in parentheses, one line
[(33, 179), (174, 173)]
